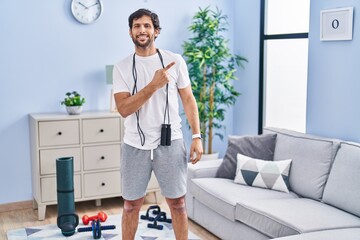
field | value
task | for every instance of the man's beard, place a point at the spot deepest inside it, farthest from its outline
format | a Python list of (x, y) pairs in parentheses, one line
[(143, 45)]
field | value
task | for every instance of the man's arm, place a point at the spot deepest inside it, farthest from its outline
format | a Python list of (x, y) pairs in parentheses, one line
[(191, 111), (127, 104)]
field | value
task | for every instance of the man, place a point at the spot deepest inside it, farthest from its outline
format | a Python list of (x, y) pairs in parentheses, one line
[(146, 87)]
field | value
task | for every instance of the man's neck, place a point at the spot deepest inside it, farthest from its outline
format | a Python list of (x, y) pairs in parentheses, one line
[(145, 52)]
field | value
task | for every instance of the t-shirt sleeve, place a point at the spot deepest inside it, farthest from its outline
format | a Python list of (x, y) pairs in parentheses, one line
[(183, 79), (119, 83)]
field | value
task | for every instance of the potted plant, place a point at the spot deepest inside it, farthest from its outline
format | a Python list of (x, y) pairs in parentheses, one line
[(212, 68), (73, 102)]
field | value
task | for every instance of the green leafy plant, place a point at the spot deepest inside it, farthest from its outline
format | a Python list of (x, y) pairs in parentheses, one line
[(73, 99), (212, 66)]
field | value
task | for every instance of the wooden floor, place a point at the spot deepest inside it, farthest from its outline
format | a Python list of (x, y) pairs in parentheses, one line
[(14, 219)]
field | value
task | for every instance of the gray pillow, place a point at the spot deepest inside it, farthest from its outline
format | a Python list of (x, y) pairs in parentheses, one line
[(259, 146)]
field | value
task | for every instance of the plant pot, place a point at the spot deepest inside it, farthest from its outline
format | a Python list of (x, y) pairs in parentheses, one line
[(212, 156), (74, 110)]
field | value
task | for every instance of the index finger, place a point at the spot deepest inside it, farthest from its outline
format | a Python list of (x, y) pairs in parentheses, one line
[(170, 65)]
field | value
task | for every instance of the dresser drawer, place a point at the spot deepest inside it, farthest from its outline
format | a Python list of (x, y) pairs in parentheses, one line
[(53, 133), (49, 188), (104, 183), (48, 159), (102, 157), (101, 130)]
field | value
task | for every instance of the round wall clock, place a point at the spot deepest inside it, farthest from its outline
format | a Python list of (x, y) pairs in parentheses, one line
[(86, 11)]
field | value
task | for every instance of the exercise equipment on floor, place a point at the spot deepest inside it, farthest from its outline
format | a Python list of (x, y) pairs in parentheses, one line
[(156, 210), (101, 216), (159, 217), (67, 219), (96, 228)]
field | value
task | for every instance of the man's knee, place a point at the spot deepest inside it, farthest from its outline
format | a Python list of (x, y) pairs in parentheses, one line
[(177, 204), (132, 206)]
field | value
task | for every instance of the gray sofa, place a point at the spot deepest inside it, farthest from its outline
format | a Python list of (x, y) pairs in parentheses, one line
[(323, 202)]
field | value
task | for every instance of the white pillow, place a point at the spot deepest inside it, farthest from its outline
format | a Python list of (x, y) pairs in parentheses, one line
[(261, 173)]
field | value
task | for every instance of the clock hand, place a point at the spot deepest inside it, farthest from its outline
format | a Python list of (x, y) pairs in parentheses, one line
[(83, 5), (93, 5)]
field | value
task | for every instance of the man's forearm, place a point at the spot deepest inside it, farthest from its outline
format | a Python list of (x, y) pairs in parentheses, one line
[(190, 108), (192, 115), (128, 104)]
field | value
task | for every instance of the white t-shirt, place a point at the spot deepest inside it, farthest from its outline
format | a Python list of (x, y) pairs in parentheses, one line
[(151, 114)]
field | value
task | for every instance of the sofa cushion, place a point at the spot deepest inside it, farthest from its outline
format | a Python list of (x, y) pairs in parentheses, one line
[(222, 194), (222, 227), (311, 160), (283, 217), (347, 233), (342, 189), (260, 173), (260, 146)]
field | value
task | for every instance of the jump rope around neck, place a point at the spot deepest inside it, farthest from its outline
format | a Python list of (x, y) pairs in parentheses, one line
[(165, 139)]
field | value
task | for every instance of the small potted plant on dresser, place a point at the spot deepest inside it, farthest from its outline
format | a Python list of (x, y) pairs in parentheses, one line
[(73, 102)]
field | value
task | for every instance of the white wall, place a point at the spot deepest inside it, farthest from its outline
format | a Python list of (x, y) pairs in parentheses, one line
[(333, 74), (247, 43), (44, 53), (334, 78)]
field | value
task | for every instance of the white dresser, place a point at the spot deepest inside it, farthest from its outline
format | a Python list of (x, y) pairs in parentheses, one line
[(93, 139)]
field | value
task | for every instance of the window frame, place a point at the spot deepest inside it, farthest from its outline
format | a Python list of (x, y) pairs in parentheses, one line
[(264, 37)]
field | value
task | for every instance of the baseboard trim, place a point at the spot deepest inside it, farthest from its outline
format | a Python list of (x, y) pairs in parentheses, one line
[(15, 206)]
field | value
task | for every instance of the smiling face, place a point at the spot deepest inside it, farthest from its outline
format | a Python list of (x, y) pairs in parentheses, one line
[(143, 33)]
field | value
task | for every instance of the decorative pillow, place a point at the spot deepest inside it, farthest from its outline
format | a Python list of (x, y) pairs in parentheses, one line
[(265, 174), (258, 146)]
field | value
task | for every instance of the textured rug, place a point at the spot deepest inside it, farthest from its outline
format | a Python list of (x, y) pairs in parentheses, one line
[(52, 232)]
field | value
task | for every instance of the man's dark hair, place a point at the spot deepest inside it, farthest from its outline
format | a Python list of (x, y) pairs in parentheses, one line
[(145, 12)]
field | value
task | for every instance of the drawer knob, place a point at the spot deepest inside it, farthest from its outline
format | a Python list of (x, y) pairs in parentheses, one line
[(102, 157), (103, 184), (59, 133), (101, 130)]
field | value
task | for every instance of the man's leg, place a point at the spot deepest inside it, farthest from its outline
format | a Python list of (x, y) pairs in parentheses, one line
[(179, 217), (135, 175), (130, 218)]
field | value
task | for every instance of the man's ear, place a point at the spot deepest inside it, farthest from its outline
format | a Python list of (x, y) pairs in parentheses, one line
[(157, 32)]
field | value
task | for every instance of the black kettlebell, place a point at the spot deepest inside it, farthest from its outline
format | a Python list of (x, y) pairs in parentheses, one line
[(68, 227)]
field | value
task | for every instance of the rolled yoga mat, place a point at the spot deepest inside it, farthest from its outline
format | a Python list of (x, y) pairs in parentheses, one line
[(67, 219)]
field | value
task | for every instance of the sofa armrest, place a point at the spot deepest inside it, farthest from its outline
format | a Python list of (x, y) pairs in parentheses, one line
[(203, 169)]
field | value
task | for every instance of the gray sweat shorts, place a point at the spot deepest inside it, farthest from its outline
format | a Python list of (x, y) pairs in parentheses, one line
[(169, 164)]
